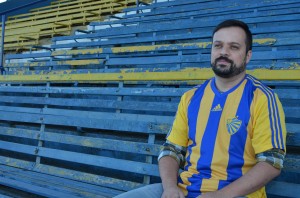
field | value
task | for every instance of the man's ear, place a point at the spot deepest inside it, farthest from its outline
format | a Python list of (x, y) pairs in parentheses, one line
[(248, 56)]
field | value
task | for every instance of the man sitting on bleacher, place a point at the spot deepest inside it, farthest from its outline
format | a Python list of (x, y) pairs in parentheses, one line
[(228, 134)]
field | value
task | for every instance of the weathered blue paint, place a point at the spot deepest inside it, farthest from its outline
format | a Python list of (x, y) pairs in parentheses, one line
[(31, 55), (134, 91), (212, 8), (283, 189), (100, 103), (35, 189), (116, 145), (204, 14), (180, 24), (117, 164), (72, 187), (17, 147), (77, 148)]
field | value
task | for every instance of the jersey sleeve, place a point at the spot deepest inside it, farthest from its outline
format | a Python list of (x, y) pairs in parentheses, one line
[(269, 130), (178, 134)]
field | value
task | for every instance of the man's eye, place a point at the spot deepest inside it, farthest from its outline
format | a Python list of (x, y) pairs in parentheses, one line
[(217, 46), (234, 47)]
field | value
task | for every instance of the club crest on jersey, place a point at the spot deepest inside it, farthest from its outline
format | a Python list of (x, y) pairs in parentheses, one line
[(233, 125)]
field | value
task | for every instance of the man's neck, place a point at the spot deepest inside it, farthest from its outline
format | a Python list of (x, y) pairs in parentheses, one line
[(225, 84)]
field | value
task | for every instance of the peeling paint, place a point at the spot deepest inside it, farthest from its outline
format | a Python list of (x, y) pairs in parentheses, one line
[(146, 75), (181, 46)]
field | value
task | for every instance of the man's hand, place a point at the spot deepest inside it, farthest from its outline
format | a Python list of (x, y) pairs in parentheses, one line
[(172, 192)]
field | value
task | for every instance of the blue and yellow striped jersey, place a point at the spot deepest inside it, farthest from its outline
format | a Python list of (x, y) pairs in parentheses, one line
[(223, 132)]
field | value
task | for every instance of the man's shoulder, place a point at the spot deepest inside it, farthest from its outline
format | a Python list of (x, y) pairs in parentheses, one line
[(258, 86), (261, 92)]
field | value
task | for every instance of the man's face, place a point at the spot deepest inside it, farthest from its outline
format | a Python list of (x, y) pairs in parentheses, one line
[(228, 54)]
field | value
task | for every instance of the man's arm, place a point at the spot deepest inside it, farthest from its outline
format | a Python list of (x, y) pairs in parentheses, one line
[(168, 168), (253, 180)]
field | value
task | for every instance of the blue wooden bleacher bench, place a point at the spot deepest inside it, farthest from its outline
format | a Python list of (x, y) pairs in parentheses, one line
[(196, 8), (274, 23), (58, 141), (141, 55), (181, 26)]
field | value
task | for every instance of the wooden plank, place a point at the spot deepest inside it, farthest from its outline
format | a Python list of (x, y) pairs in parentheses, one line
[(20, 148), (288, 93), (107, 144), (283, 189), (293, 139), (38, 190), (150, 48), (70, 175), (145, 60), (23, 31), (20, 133), (146, 48), (129, 75), (212, 9), (7, 161), (94, 115), (182, 24), (49, 63), (203, 17), (30, 55), (128, 122), (113, 91), (112, 183), (21, 109), (21, 117), (66, 8), (258, 55), (20, 44), (55, 183), (206, 4), (100, 161), (20, 39), (4, 193), (292, 112), (280, 10), (293, 136), (293, 128), (66, 15), (99, 103), (110, 124), (171, 4), (174, 37)]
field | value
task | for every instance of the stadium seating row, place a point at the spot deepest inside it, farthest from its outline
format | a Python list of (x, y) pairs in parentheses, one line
[(101, 141), (26, 30), (174, 45), (104, 136)]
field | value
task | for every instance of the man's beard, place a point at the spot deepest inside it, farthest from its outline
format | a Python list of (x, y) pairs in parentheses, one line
[(228, 73)]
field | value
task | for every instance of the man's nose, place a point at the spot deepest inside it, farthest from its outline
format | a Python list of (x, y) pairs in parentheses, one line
[(224, 51)]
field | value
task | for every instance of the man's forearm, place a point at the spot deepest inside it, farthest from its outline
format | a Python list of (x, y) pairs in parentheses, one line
[(168, 169), (253, 180)]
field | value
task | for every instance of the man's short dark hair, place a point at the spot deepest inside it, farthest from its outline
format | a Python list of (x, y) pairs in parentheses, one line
[(237, 23)]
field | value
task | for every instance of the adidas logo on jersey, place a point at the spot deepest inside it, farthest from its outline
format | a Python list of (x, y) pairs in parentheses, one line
[(217, 108)]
